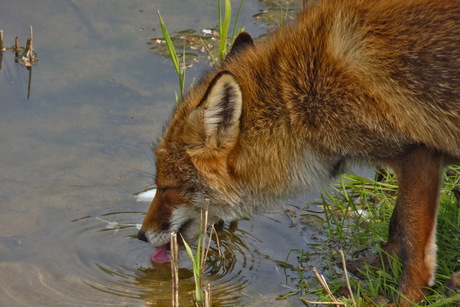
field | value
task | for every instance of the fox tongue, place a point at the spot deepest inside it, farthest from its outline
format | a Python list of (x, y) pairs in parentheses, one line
[(161, 254)]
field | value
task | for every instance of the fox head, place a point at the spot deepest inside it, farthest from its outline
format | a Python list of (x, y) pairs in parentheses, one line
[(194, 160)]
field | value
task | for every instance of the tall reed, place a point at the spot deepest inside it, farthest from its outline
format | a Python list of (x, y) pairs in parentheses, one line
[(180, 70)]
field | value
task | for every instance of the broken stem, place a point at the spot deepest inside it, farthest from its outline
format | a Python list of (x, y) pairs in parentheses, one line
[(346, 277), (31, 42), (322, 303), (323, 283), (174, 270), (26, 49), (207, 296), (16, 47)]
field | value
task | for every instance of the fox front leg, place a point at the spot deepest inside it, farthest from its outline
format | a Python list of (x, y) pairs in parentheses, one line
[(413, 223)]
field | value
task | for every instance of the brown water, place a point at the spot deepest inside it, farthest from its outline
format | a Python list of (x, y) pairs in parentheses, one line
[(73, 154)]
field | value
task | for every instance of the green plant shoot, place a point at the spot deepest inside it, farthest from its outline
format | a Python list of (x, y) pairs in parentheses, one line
[(175, 59), (224, 24), (196, 264)]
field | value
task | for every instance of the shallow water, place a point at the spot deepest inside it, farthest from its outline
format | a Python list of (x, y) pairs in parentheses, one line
[(75, 152)]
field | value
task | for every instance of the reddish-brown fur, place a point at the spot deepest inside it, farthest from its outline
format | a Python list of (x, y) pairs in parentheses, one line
[(349, 81)]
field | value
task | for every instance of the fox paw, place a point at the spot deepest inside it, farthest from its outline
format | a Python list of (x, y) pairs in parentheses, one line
[(359, 265), (453, 286)]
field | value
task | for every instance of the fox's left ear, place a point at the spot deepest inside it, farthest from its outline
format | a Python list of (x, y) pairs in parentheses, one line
[(213, 131), (222, 107), (242, 41)]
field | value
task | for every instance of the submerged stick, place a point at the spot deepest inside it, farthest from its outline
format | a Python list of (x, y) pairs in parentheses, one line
[(174, 270)]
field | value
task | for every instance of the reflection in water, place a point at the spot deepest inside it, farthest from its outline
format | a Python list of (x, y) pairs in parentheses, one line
[(29, 82), (227, 266)]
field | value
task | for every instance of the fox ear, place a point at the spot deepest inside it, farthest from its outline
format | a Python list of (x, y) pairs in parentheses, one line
[(222, 109), (242, 41)]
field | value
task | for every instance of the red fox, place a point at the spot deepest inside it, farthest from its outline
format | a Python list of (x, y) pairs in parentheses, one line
[(363, 81)]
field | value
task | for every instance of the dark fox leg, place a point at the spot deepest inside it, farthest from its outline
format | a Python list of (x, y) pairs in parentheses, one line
[(413, 223)]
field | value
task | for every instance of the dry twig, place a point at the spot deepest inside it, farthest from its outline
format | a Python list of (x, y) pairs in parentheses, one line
[(174, 270), (322, 303), (323, 283), (346, 277), (1, 40), (207, 296)]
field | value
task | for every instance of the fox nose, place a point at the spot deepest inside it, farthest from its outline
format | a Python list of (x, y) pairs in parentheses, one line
[(141, 236)]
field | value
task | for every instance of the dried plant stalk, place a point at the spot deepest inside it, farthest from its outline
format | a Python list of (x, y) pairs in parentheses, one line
[(323, 303), (175, 269), (204, 250), (207, 296), (31, 51), (346, 277), (26, 49), (323, 283)]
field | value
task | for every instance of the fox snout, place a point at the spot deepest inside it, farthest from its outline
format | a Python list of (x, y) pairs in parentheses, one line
[(170, 212), (141, 236)]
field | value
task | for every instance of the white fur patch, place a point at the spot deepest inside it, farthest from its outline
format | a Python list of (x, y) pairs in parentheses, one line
[(430, 256), (311, 173), (181, 215), (158, 239), (146, 196)]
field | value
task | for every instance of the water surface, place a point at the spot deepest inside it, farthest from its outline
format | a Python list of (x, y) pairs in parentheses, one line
[(75, 152)]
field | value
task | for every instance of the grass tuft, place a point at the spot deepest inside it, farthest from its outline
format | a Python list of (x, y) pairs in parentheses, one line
[(357, 214)]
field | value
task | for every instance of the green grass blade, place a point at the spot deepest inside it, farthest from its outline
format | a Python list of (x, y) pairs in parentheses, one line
[(169, 44), (182, 75), (235, 26), (172, 52), (189, 251), (219, 9), (223, 28), (196, 271)]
